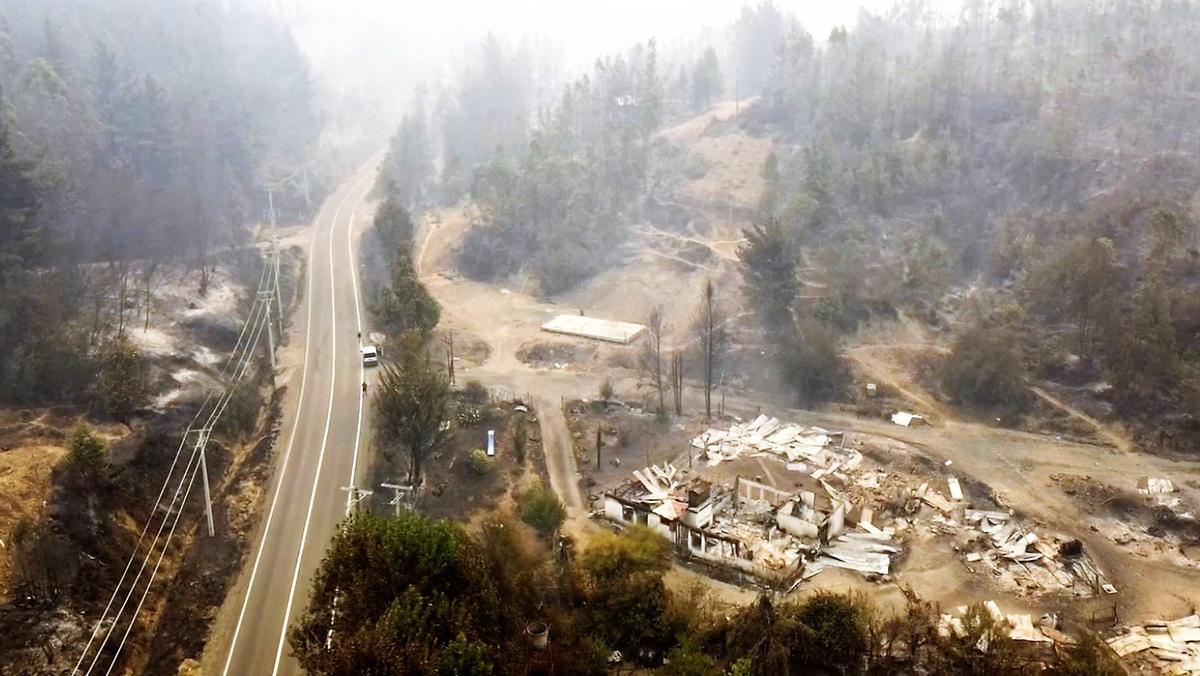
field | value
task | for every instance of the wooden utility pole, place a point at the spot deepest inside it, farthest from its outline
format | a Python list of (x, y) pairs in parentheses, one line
[(599, 443), (677, 381), (449, 340)]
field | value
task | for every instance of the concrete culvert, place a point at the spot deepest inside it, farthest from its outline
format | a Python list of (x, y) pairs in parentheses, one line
[(539, 634)]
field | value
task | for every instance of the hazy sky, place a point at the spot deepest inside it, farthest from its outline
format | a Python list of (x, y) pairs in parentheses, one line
[(377, 49), (586, 29)]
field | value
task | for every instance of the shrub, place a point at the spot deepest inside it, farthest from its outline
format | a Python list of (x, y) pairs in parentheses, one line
[(624, 436), (87, 458), (519, 437), (122, 384), (474, 392), (606, 391), (541, 509), (611, 556), (984, 368), (1091, 657), (42, 563), (242, 411), (480, 463), (465, 658), (833, 633), (687, 659), (812, 365), (469, 415)]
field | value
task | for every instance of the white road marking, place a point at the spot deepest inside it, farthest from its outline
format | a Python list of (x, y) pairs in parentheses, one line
[(362, 376), (312, 496), (287, 453)]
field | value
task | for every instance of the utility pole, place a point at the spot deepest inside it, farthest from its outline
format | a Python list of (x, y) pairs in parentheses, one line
[(274, 263), (271, 209), (449, 340), (307, 198), (201, 446), (275, 283), (265, 297), (354, 496), (398, 490)]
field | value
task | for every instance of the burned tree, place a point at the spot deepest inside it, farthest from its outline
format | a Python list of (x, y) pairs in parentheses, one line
[(650, 359), (713, 338)]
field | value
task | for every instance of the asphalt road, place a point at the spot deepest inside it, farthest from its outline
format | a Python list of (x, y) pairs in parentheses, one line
[(316, 455)]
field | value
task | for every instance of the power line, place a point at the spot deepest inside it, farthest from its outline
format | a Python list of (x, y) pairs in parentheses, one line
[(244, 348), (197, 453)]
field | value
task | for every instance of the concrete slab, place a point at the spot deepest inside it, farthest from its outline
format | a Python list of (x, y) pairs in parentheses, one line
[(596, 329)]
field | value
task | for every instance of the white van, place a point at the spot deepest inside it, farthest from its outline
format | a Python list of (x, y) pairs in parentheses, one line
[(370, 355)]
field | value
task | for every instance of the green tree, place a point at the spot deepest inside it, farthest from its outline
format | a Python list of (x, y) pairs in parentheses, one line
[(768, 267), (541, 509), (832, 634), (630, 613), (762, 634), (408, 166), (465, 658), (1091, 657), (706, 80), (1078, 282), (413, 595), (688, 659), (984, 367), (627, 598), (87, 458), (241, 411), (122, 384), (405, 304), (812, 364), (612, 556), (412, 403), (19, 234), (393, 224), (818, 186)]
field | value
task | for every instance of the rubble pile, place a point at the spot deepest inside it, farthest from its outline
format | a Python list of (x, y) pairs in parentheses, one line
[(1018, 556), (1020, 626), (805, 449), (863, 552), (1166, 646)]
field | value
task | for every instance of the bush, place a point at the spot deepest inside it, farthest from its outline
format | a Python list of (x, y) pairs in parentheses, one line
[(469, 415), (242, 411), (474, 392), (984, 368), (541, 509), (833, 632), (1091, 657), (480, 463), (629, 613), (612, 556), (87, 458), (122, 384), (42, 563), (687, 659), (812, 365), (606, 391), (425, 598), (519, 437), (405, 304)]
